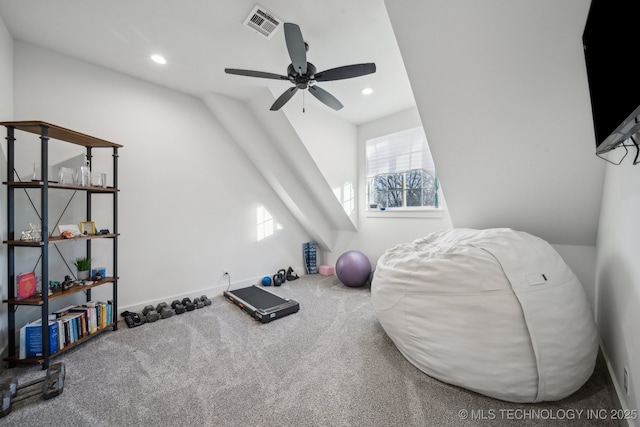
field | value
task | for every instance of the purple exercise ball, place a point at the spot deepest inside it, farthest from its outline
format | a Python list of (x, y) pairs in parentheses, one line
[(353, 268)]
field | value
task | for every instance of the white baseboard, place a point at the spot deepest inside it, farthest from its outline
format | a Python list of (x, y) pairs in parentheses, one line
[(617, 395), (210, 292)]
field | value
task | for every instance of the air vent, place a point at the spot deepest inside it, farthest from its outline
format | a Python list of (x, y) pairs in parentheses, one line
[(263, 22)]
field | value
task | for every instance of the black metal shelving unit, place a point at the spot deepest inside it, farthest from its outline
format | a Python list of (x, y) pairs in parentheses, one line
[(48, 131)]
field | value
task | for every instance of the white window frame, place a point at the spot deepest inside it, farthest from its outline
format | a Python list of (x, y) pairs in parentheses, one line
[(400, 153)]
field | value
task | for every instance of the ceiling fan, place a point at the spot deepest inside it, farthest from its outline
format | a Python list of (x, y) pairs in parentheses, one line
[(303, 74)]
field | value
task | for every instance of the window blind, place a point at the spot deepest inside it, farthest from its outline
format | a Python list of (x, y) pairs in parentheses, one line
[(398, 152)]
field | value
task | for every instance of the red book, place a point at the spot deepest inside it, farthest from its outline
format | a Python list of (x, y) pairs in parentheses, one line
[(26, 285)]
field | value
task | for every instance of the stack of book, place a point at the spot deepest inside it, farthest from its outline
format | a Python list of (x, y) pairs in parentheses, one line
[(66, 326)]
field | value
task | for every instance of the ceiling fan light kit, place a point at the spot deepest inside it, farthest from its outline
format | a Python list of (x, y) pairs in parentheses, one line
[(303, 75)]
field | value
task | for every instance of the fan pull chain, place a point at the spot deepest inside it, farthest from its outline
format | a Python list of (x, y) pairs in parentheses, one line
[(303, 110)]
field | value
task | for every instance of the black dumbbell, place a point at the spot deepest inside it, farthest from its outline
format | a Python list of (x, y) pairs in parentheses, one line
[(52, 386), (133, 319), (188, 304), (178, 307), (164, 310), (206, 301), (150, 314), (198, 303)]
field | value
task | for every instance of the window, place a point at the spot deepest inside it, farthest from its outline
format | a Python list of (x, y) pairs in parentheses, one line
[(400, 171)]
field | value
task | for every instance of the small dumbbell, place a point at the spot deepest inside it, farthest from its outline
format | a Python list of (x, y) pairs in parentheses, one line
[(164, 310), (198, 303), (178, 307), (52, 386), (133, 319), (150, 314), (206, 301), (190, 306)]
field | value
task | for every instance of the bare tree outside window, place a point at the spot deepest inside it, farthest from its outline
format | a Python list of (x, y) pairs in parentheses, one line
[(414, 188), (400, 171)]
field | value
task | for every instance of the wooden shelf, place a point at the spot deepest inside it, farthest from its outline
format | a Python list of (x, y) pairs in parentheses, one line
[(56, 185), (58, 239), (58, 132), (40, 360), (37, 299), (50, 189)]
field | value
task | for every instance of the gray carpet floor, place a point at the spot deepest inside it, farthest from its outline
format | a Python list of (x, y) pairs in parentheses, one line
[(330, 364)]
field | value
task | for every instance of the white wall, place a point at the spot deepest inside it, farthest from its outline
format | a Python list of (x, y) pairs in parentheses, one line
[(188, 196), (618, 277), (332, 143), (260, 147), (377, 232), (6, 73), (6, 113)]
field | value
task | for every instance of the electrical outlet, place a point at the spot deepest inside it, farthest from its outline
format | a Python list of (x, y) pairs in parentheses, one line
[(626, 381)]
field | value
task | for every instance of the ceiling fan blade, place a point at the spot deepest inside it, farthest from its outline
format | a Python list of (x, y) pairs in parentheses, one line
[(296, 47), (346, 72), (282, 99), (325, 97), (250, 73)]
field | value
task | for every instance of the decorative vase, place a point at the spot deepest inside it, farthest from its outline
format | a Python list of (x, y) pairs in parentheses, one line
[(83, 275)]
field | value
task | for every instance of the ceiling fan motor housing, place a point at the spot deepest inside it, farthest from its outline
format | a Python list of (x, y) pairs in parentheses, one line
[(302, 80)]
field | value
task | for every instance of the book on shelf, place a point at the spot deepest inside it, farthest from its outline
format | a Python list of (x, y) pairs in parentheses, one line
[(88, 327), (26, 285), (103, 312), (63, 311), (31, 339), (70, 324)]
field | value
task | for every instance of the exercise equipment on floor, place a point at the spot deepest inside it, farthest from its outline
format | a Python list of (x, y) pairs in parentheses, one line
[(309, 252), (291, 275), (164, 311), (279, 278), (261, 304), (353, 269), (49, 386), (178, 307), (133, 319), (150, 314), (188, 304)]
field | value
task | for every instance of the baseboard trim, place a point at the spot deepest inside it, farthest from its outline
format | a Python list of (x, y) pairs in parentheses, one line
[(210, 292), (615, 390)]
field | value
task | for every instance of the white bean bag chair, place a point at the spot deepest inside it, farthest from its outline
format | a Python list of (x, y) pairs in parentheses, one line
[(495, 311)]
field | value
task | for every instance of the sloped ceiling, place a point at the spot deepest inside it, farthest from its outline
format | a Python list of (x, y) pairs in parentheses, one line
[(502, 91)]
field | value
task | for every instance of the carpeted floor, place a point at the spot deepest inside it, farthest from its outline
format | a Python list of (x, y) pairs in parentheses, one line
[(330, 364)]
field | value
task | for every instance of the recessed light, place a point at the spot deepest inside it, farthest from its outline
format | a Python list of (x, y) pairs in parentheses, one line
[(158, 59), (367, 91)]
